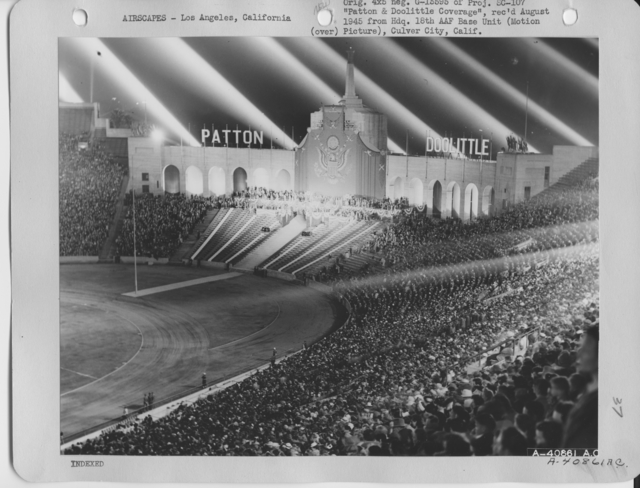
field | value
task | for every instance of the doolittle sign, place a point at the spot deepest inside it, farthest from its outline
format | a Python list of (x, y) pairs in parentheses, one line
[(464, 145)]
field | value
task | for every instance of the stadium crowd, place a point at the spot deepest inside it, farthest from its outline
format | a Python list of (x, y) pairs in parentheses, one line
[(459, 344), (261, 193), (553, 221), (162, 223), (396, 379), (89, 186)]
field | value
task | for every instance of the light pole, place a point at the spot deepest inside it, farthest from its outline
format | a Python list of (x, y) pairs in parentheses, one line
[(526, 113), (135, 258)]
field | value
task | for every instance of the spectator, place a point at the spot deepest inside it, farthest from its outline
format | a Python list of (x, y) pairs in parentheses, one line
[(89, 184), (408, 374), (509, 442), (581, 430), (548, 434)]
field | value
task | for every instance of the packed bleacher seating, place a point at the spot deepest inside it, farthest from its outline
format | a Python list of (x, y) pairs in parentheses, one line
[(89, 185), (260, 193), (462, 342), (162, 223), (551, 221), (394, 380)]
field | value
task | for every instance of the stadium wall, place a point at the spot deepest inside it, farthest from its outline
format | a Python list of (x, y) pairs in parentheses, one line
[(465, 185), (206, 171), (463, 188), (518, 172), (565, 158)]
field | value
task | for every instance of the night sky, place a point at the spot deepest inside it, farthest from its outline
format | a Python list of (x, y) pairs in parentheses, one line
[(448, 87)]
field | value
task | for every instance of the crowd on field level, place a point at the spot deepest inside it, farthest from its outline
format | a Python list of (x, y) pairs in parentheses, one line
[(405, 377), (162, 223), (396, 379)]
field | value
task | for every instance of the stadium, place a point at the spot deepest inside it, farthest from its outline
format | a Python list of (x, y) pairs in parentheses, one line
[(332, 295)]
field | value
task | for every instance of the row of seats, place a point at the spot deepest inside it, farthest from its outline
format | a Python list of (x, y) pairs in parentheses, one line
[(335, 246), (298, 245), (248, 239), (217, 218)]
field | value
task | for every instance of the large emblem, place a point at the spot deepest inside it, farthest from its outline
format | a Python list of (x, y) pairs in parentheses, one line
[(332, 161)]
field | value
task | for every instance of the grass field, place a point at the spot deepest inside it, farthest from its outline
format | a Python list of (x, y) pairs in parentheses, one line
[(114, 348)]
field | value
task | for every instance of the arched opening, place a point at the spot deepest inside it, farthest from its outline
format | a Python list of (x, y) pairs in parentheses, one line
[(283, 180), (217, 185), (398, 188), (470, 202), (416, 195), (193, 181), (239, 180), (436, 200), (453, 200), (488, 197), (171, 179), (260, 178)]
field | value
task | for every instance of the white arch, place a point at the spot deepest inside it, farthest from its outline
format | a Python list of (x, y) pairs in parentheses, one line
[(488, 200), (194, 184), (239, 179), (260, 178), (435, 204), (217, 182), (416, 195), (283, 180), (398, 188), (453, 200), (171, 183), (470, 202)]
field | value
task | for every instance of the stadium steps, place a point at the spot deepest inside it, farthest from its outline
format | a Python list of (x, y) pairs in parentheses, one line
[(108, 251), (198, 248), (574, 177), (251, 235), (253, 244), (273, 243), (300, 245), (354, 264), (357, 237), (198, 233), (237, 219), (325, 247), (236, 237)]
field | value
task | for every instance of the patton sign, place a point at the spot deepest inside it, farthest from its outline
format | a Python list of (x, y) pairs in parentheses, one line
[(231, 136)]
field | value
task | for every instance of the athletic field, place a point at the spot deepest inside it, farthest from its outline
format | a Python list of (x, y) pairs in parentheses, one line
[(115, 348)]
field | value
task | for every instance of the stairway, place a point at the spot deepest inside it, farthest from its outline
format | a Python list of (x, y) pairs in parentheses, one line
[(196, 233), (578, 174), (108, 251), (276, 241)]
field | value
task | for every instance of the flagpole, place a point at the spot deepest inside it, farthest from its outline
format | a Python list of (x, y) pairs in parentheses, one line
[(526, 113), (135, 259), (491, 147)]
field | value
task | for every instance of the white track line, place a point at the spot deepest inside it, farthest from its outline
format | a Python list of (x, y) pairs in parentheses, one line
[(182, 284), (118, 368), (252, 334), (80, 374)]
